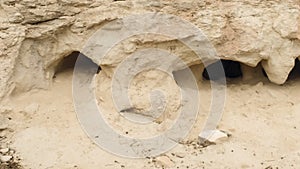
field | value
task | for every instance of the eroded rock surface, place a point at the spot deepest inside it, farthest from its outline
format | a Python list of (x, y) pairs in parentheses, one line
[(36, 35)]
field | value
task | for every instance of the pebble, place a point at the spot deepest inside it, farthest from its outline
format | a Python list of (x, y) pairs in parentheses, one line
[(165, 161), (259, 84), (4, 150), (5, 158), (213, 136)]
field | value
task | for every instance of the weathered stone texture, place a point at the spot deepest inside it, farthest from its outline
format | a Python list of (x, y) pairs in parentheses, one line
[(36, 34)]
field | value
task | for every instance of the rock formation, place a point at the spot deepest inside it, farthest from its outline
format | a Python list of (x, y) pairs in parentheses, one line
[(35, 35)]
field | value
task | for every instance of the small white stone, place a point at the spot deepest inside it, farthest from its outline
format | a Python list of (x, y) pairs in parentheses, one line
[(212, 136), (4, 150), (5, 158)]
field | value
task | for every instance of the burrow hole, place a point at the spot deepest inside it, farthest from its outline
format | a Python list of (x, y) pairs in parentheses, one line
[(68, 63)]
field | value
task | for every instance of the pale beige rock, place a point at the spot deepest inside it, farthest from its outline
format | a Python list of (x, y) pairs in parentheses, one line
[(165, 161), (5, 158), (4, 150), (36, 36), (213, 136)]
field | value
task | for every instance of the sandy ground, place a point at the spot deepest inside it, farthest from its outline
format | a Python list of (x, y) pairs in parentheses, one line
[(263, 119)]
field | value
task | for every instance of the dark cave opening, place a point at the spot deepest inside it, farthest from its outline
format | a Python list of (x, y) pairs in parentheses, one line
[(68, 63), (234, 72), (295, 72), (232, 69)]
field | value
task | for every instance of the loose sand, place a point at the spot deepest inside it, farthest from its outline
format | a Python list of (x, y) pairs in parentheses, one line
[(263, 119)]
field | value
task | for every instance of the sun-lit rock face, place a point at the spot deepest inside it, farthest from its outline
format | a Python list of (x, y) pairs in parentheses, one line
[(36, 35)]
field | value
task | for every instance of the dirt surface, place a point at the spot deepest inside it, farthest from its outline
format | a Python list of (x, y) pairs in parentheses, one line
[(262, 118), (39, 128)]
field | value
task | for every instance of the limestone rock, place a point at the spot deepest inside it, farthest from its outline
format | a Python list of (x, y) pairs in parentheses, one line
[(36, 35), (212, 136)]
